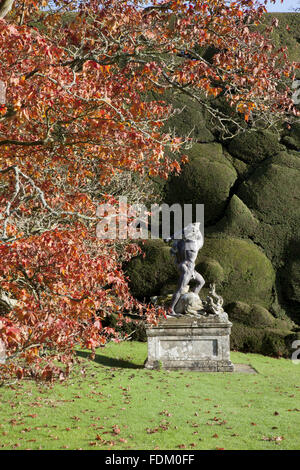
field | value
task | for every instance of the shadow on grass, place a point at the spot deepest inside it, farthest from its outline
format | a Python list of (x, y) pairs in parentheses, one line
[(110, 361)]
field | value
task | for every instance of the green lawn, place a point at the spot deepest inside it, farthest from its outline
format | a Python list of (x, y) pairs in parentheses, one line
[(113, 402)]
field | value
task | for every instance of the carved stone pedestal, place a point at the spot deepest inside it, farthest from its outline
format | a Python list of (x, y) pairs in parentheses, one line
[(190, 343)]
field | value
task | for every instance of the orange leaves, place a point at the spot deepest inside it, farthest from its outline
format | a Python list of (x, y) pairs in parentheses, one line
[(210, 90), (68, 291), (105, 69), (246, 108), (175, 165), (184, 159)]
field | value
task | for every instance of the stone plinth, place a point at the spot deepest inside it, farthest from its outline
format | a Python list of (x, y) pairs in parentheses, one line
[(191, 343)]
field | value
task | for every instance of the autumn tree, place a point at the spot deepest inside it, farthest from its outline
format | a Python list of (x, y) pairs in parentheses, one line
[(78, 124)]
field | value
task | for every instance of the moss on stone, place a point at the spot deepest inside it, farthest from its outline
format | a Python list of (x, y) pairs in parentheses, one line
[(254, 146)]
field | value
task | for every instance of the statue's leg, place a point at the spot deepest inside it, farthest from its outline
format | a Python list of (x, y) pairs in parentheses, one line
[(184, 279), (199, 282)]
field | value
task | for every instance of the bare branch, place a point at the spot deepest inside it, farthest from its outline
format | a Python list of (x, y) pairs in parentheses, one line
[(5, 7)]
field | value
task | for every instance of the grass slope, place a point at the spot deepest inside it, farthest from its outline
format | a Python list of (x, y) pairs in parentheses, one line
[(114, 403)]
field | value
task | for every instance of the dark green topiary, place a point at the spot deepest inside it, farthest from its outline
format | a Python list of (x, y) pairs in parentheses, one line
[(250, 315), (148, 275), (211, 270), (291, 138), (290, 340), (168, 288), (207, 180), (251, 192), (268, 191), (248, 274), (135, 329), (292, 280), (252, 147), (245, 339), (272, 195), (274, 344), (290, 36), (190, 120), (266, 341), (238, 219), (290, 274), (266, 208), (241, 168)]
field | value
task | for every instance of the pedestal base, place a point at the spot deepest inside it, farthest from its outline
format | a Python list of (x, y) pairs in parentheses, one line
[(190, 343)]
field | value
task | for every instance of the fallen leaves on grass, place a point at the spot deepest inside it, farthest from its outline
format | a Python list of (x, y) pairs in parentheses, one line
[(216, 421), (273, 438), (165, 413), (116, 429)]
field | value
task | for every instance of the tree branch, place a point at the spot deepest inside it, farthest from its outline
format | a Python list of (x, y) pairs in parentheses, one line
[(5, 7)]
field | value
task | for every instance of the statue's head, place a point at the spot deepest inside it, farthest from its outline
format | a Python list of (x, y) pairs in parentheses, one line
[(192, 231)]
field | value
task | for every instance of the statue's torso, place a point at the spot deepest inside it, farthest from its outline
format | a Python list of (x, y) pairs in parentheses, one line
[(187, 251)]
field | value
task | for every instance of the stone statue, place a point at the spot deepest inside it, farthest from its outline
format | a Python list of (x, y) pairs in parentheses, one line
[(214, 302), (185, 249), (199, 339)]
